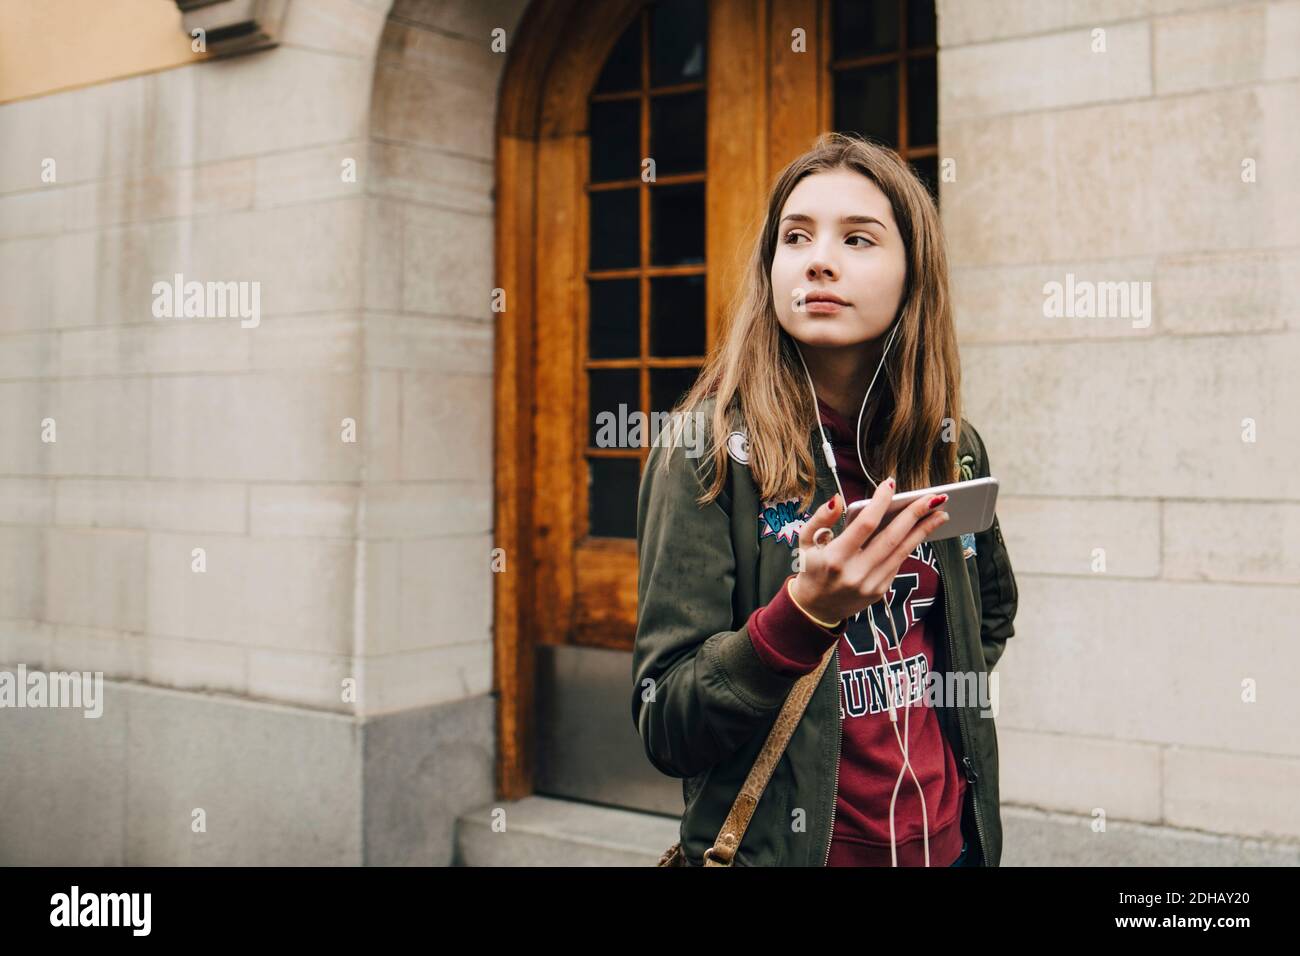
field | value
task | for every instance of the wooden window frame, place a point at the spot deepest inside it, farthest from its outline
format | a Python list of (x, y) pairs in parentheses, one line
[(901, 56)]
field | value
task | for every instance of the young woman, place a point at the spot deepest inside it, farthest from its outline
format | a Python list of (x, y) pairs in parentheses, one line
[(840, 348)]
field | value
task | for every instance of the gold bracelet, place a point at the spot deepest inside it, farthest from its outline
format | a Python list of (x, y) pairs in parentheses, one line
[(819, 623)]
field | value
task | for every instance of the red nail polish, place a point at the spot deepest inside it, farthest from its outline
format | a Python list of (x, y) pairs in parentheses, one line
[(938, 500), (891, 483)]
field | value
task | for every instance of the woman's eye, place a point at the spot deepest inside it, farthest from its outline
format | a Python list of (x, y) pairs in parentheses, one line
[(790, 237)]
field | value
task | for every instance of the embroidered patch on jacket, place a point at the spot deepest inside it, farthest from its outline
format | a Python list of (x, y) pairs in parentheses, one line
[(965, 468), (782, 520), (738, 447), (967, 544)]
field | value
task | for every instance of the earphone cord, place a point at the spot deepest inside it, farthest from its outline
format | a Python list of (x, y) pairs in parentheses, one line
[(903, 745), (827, 452), (903, 741)]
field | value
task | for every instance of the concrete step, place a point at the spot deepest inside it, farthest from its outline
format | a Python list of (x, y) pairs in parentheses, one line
[(546, 831)]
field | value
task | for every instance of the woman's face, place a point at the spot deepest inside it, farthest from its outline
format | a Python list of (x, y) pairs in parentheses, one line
[(860, 261)]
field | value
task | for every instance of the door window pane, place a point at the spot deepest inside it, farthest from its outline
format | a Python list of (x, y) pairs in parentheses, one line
[(922, 102), (677, 224), (864, 27), (866, 102), (677, 30), (615, 229), (612, 485), (927, 167), (607, 389), (613, 318), (677, 133), (677, 316), (667, 385), (920, 23), (622, 70), (615, 140)]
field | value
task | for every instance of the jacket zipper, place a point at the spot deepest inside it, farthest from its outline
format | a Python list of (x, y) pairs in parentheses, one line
[(835, 664), (839, 743), (971, 774)]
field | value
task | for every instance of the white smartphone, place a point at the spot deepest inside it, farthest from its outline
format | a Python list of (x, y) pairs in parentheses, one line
[(970, 503)]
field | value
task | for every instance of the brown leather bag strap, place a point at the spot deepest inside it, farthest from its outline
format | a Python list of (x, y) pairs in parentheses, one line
[(733, 829)]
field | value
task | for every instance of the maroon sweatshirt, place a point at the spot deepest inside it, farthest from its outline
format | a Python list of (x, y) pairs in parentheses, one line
[(870, 758)]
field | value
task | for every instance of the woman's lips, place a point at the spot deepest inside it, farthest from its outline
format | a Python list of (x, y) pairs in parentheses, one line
[(823, 307)]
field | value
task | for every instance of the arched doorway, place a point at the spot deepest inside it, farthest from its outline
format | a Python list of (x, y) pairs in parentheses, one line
[(636, 140)]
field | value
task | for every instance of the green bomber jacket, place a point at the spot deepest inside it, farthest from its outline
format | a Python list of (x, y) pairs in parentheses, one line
[(703, 701)]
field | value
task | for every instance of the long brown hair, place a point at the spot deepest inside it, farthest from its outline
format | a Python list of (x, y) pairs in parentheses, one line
[(755, 376)]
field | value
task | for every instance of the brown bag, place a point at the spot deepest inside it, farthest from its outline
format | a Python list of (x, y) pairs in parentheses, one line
[(733, 829)]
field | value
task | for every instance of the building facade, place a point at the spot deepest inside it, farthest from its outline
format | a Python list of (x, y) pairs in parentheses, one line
[(307, 315)]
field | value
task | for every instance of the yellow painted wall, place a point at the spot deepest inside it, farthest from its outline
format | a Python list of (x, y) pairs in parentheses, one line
[(48, 45)]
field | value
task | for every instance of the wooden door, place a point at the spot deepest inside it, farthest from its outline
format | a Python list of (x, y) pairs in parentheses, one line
[(637, 145)]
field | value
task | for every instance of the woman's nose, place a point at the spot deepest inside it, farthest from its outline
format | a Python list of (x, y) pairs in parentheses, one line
[(820, 266), (820, 262)]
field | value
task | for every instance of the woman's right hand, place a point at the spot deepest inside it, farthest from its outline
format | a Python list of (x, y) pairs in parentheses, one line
[(854, 570)]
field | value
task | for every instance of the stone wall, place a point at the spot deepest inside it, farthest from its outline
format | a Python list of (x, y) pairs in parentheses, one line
[(1125, 437), (331, 458)]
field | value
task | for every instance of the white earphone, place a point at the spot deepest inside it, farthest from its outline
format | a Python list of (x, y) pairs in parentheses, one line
[(903, 740)]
